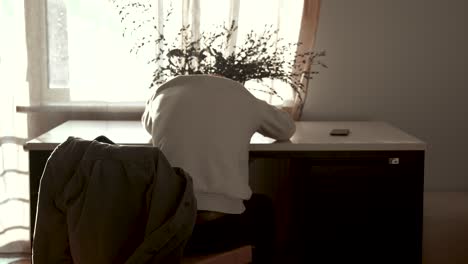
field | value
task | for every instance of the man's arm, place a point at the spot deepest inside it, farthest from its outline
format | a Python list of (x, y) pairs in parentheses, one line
[(146, 118), (275, 123)]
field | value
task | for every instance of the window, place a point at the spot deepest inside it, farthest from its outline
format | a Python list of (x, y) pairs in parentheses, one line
[(88, 56), (81, 55)]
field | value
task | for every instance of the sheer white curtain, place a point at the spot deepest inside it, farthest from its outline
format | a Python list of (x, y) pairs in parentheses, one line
[(206, 15), (14, 176), (87, 36)]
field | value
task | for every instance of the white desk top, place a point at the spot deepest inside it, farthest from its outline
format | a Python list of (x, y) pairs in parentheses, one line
[(309, 136)]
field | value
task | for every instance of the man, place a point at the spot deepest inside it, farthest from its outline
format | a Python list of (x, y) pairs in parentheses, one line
[(204, 124)]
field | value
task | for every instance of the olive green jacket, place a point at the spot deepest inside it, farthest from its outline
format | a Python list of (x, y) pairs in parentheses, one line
[(102, 203)]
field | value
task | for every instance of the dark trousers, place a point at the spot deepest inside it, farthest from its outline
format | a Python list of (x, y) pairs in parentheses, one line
[(253, 227)]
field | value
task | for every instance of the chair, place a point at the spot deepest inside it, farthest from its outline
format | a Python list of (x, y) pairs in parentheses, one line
[(103, 203)]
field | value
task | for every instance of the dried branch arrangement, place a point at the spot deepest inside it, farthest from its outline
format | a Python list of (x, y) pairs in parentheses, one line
[(261, 56)]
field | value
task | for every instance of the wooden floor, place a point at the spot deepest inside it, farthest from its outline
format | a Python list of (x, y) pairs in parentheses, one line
[(445, 230)]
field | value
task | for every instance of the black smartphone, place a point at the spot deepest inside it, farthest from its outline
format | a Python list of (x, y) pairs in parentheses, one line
[(339, 132)]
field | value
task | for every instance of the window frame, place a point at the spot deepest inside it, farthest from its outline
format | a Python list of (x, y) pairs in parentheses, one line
[(38, 63), (38, 69)]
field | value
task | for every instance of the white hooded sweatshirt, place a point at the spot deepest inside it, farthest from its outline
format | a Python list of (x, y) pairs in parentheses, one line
[(204, 124)]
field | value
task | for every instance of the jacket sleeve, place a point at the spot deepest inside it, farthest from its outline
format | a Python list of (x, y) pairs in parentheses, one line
[(171, 216), (275, 123)]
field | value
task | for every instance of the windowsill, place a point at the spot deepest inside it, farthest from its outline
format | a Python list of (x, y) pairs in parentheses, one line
[(84, 107)]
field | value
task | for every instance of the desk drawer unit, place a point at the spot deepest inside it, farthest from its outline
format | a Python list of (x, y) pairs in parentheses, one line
[(363, 207)]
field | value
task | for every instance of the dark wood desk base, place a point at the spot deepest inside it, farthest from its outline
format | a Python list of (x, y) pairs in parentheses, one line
[(334, 206)]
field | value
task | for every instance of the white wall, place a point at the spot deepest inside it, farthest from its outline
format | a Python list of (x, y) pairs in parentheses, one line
[(404, 62)]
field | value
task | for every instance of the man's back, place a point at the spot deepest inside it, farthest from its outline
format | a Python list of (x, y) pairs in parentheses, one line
[(204, 125)]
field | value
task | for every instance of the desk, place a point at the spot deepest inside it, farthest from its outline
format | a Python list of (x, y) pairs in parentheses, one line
[(338, 199)]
